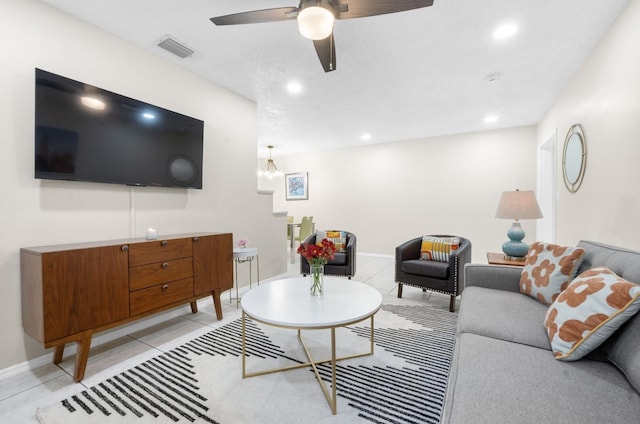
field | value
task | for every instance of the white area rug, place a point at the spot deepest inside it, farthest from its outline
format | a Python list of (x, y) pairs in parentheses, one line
[(201, 381)]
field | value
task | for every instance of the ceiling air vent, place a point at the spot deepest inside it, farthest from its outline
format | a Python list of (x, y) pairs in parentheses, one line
[(173, 46)]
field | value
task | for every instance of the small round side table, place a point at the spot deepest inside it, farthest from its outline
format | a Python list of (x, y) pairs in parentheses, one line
[(243, 255)]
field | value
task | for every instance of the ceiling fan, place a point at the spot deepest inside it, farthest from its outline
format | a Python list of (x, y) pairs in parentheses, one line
[(316, 18)]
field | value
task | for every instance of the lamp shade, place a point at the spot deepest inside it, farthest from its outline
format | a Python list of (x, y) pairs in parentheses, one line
[(518, 205), (315, 22)]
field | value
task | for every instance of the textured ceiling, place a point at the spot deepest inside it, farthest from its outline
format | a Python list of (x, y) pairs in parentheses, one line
[(401, 76)]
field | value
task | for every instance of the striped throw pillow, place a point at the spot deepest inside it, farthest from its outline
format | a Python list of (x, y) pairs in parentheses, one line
[(339, 238), (438, 248)]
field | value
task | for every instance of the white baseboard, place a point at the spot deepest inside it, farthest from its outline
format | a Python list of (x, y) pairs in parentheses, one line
[(101, 338)]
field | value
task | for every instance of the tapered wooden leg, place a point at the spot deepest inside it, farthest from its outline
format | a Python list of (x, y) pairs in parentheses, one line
[(194, 307), (216, 303), (58, 354), (399, 290), (84, 347), (452, 304)]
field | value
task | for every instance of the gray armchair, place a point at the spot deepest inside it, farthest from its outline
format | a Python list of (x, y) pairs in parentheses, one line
[(442, 277), (344, 264)]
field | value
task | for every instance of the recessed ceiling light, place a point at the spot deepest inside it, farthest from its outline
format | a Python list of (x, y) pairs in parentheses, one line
[(365, 136), (148, 115), (505, 31), (490, 119), (294, 87)]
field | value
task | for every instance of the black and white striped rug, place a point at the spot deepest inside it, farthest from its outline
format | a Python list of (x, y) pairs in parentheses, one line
[(200, 381)]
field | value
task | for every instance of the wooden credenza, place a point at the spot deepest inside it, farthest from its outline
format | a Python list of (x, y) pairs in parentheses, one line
[(71, 291)]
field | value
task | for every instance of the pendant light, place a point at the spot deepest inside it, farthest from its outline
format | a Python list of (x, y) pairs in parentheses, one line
[(270, 170)]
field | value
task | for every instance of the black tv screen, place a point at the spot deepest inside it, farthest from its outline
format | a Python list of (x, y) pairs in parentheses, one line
[(85, 133)]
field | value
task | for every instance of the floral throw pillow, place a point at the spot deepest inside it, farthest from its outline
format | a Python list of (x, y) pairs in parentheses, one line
[(594, 305), (548, 269)]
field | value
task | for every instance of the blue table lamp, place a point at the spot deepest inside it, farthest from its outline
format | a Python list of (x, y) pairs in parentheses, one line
[(517, 205)]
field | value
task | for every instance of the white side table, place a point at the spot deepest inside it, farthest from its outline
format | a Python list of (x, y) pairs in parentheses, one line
[(243, 255)]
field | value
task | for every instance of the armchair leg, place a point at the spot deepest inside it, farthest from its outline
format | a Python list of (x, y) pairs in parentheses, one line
[(399, 290), (452, 304)]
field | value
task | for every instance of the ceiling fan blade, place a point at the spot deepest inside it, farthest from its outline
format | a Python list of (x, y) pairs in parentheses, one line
[(362, 8), (257, 16), (326, 50)]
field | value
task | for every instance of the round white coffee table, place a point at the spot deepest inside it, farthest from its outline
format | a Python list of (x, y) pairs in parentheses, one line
[(288, 304)]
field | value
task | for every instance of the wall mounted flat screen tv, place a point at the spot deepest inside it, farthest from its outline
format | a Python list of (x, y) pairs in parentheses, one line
[(85, 133)]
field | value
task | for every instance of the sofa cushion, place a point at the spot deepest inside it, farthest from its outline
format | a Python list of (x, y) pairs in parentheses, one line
[(438, 248), (431, 269), (339, 239), (623, 262), (622, 347), (622, 350), (548, 269), (503, 315), (584, 315), (338, 259), (493, 381)]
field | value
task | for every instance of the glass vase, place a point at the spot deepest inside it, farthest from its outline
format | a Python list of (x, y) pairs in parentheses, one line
[(316, 274)]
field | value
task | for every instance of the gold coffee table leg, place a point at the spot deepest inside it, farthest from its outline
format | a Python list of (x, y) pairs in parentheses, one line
[(334, 402), (244, 346), (332, 398)]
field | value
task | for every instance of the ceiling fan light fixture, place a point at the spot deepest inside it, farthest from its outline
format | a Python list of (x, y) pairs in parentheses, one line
[(316, 22)]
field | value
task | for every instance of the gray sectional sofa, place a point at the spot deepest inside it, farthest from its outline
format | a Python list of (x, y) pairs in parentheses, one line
[(503, 369)]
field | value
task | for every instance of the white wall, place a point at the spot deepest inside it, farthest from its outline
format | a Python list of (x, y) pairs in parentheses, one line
[(389, 193), (604, 97), (37, 212)]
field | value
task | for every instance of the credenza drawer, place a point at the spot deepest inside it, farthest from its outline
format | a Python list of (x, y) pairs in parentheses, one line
[(163, 294), (159, 251), (161, 272)]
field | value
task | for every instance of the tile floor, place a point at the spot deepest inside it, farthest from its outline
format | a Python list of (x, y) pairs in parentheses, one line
[(21, 393)]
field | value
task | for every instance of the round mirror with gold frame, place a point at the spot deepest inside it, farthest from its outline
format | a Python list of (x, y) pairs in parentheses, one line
[(574, 158)]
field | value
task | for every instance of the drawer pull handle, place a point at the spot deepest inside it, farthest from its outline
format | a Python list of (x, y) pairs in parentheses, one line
[(165, 287), (196, 239), (125, 248), (164, 242), (165, 265)]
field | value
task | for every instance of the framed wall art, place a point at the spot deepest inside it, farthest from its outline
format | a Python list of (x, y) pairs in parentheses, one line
[(297, 186)]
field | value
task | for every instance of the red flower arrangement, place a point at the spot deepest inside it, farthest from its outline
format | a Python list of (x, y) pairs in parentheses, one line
[(318, 254)]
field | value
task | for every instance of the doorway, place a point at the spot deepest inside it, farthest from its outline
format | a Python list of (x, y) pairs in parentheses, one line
[(547, 190)]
